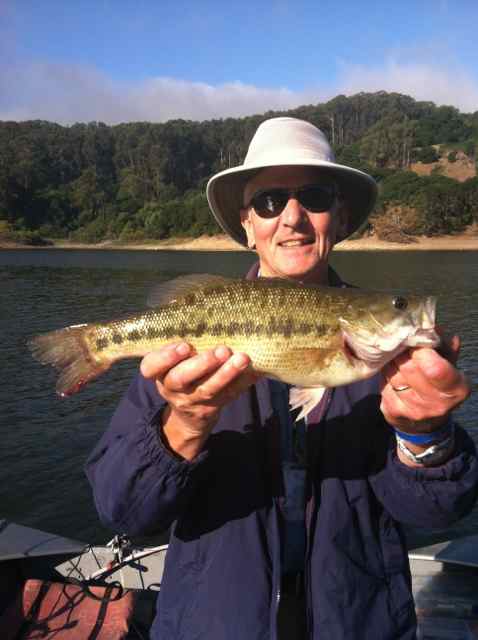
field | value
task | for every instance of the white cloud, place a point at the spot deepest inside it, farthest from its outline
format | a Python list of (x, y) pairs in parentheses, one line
[(439, 83), (73, 93), (60, 93), (166, 98), (68, 94)]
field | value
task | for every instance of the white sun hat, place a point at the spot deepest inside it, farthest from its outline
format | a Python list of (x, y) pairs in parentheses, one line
[(288, 142)]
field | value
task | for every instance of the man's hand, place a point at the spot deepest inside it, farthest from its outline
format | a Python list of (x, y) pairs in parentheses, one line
[(422, 386), (196, 387)]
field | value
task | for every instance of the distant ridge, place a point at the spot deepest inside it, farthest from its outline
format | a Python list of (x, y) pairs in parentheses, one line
[(132, 181)]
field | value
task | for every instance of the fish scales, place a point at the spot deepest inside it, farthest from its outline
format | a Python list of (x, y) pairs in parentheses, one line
[(308, 336), (232, 318)]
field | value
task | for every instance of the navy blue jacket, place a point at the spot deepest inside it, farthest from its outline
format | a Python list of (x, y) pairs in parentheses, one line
[(222, 573)]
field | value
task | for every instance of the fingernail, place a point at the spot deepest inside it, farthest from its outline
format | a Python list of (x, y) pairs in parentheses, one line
[(430, 362), (423, 354), (221, 352), (183, 349), (239, 360)]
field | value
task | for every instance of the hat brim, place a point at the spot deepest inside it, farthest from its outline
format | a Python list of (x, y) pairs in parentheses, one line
[(225, 193)]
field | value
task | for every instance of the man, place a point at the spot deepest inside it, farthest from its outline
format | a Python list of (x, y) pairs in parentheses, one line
[(282, 531)]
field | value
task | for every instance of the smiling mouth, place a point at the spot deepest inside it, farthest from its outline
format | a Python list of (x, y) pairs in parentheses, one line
[(296, 243)]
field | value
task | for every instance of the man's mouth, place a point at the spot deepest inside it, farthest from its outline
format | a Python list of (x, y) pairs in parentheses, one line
[(298, 242)]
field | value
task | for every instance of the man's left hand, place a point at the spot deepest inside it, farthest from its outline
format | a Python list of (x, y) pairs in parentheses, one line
[(421, 386)]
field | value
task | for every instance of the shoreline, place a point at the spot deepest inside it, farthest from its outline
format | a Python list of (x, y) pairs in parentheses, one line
[(459, 242)]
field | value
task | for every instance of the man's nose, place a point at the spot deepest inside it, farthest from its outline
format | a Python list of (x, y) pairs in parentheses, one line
[(293, 212)]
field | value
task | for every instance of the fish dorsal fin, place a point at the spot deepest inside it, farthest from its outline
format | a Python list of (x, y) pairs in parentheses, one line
[(182, 286)]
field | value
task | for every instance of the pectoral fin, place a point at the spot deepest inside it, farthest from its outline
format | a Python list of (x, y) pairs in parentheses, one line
[(306, 398)]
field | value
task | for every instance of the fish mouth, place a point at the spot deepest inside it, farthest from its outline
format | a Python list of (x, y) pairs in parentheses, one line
[(425, 334), (375, 349), (424, 338), (427, 314), (360, 348)]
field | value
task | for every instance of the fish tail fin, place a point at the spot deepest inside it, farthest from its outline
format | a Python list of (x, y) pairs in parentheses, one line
[(67, 351)]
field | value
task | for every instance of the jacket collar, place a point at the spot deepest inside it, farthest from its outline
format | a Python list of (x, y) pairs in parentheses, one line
[(334, 279)]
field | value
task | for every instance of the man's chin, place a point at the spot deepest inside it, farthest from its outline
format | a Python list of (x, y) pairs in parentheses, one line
[(305, 272)]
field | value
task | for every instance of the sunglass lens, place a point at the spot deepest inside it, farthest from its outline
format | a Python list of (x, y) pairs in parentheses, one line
[(270, 203), (316, 199)]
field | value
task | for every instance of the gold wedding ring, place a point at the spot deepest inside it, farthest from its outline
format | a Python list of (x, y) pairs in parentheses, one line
[(400, 389)]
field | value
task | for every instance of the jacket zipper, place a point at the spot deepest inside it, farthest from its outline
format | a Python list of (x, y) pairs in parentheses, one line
[(307, 570), (309, 510), (278, 592)]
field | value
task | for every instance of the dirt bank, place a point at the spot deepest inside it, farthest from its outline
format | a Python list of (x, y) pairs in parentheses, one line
[(460, 242)]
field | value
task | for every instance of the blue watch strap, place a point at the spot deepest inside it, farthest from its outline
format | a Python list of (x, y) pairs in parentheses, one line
[(426, 438)]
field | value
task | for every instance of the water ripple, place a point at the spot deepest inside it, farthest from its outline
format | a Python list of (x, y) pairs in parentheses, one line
[(46, 440)]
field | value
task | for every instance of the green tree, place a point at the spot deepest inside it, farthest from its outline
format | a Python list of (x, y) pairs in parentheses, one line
[(151, 178), (427, 155), (86, 193)]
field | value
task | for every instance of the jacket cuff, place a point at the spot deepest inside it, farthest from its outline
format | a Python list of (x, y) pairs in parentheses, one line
[(453, 468), (157, 451)]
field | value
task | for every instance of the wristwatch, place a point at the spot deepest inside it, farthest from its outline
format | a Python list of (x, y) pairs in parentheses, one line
[(435, 454)]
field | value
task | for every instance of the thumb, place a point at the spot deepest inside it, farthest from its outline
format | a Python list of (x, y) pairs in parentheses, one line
[(449, 346)]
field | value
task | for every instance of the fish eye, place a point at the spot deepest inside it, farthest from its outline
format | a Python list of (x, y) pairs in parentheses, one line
[(400, 303)]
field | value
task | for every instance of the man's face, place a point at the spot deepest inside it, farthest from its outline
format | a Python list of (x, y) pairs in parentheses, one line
[(296, 243)]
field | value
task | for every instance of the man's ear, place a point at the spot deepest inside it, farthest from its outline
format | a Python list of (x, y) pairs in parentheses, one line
[(248, 228)]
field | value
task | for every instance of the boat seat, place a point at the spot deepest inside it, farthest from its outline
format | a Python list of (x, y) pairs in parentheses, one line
[(64, 611)]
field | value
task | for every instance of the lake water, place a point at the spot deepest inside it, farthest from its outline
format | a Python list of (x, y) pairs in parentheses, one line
[(45, 440)]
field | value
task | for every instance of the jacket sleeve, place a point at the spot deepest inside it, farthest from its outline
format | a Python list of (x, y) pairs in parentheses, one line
[(430, 497), (139, 486)]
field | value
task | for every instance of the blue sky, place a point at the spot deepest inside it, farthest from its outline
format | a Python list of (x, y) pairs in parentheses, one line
[(117, 61)]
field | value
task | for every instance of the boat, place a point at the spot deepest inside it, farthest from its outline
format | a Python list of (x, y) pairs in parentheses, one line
[(57, 587), (445, 589)]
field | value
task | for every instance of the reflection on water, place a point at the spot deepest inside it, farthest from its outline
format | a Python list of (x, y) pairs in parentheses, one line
[(45, 440)]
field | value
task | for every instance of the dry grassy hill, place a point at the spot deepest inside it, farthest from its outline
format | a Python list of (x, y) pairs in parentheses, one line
[(462, 169)]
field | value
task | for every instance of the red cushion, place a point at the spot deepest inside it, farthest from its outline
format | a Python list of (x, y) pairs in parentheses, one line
[(66, 612)]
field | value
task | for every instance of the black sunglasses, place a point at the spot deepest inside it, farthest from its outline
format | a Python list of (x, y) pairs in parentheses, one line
[(316, 198)]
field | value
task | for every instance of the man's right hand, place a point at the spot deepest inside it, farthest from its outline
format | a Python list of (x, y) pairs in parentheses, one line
[(196, 387)]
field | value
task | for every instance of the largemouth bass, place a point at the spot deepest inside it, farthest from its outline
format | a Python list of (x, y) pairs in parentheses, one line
[(311, 337)]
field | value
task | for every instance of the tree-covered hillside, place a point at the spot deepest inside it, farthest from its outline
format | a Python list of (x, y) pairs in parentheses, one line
[(140, 180)]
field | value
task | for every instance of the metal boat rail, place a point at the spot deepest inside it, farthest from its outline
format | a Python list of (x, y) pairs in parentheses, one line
[(444, 575)]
